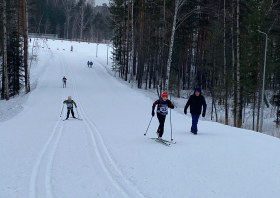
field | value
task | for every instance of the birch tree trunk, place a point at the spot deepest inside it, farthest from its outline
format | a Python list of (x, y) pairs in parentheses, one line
[(67, 6), (5, 84), (178, 4), (82, 12), (25, 47)]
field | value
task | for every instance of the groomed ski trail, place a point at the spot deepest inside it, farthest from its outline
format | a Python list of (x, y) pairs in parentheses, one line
[(54, 137), (105, 159)]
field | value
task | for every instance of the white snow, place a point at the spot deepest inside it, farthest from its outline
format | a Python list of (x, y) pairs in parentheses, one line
[(100, 2), (106, 154)]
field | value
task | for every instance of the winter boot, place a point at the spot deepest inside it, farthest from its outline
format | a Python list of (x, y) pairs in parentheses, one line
[(195, 133)]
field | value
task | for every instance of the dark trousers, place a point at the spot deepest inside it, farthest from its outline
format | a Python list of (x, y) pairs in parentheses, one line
[(194, 122), (64, 84), (161, 120), (68, 112)]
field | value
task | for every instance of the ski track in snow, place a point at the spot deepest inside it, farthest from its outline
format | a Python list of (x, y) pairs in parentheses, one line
[(220, 162), (33, 185), (109, 166), (121, 183), (48, 185)]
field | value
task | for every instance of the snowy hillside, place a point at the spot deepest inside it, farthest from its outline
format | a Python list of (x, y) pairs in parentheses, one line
[(106, 154)]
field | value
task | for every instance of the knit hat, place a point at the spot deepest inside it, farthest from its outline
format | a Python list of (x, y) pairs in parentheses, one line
[(164, 94), (197, 90)]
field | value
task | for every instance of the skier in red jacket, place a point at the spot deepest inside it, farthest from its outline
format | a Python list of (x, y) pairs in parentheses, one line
[(162, 110)]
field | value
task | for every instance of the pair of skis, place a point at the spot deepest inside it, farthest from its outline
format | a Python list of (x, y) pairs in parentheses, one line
[(73, 118), (162, 141)]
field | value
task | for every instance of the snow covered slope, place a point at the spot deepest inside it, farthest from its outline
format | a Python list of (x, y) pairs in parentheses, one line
[(107, 155)]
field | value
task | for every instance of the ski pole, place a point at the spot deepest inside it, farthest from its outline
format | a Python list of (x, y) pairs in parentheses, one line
[(148, 126), (62, 110), (77, 112), (170, 119), (171, 125)]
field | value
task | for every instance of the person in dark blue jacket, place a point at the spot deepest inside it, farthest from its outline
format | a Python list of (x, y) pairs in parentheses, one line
[(162, 110), (196, 101)]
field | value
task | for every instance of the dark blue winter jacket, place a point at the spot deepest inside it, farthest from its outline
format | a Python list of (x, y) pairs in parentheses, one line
[(196, 103)]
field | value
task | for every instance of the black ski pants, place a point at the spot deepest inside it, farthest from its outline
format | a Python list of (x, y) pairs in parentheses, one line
[(161, 120), (64, 84), (68, 112)]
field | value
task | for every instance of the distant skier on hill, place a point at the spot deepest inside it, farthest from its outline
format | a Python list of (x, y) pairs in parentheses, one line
[(88, 63), (162, 110), (91, 64), (70, 104), (196, 101), (64, 81)]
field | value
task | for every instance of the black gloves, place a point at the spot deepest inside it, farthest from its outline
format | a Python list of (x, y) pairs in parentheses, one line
[(153, 113), (170, 104), (185, 111), (203, 114)]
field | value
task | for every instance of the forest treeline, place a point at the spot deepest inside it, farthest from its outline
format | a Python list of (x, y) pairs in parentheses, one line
[(69, 19), (218, 45), (214, 44), (14, 48)]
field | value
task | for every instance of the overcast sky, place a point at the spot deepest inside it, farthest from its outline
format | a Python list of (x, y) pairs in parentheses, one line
[(100, 2)]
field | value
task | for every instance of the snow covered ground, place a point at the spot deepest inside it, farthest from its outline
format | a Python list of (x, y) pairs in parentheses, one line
[(106, 154)]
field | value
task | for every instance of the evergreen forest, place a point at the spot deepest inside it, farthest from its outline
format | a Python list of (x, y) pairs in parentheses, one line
[(67, 19), (217, 45), (228, 48)]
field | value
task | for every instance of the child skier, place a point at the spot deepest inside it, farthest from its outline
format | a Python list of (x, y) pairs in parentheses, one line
[(64, 81), (70, 104), (162, 110)]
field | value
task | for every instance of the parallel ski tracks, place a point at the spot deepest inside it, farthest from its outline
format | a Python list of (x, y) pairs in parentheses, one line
[(35, 176), (109, 166)]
